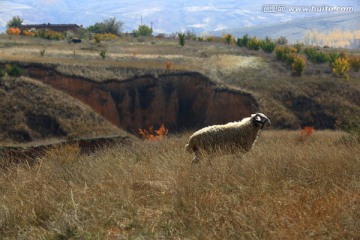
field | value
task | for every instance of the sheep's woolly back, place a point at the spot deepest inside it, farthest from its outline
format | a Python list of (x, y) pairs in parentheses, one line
[(232, 136)]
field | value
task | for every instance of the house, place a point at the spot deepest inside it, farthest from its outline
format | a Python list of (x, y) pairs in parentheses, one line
[(53, 27)]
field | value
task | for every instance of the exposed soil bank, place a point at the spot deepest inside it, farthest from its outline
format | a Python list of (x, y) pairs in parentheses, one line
[(180, 100)]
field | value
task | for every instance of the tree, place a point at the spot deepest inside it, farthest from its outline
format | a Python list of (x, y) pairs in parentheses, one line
[(15, 22), (181, 39), (110, 25), (143, 30)]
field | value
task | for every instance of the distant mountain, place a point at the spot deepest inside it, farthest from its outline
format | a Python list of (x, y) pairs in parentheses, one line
[(294, 30), (165, 16)]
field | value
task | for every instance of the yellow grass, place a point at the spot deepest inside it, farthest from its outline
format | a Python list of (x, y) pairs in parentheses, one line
[(287, 187)]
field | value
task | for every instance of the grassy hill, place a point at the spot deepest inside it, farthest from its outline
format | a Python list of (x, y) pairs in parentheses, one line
[(32, 111), (317, 98)]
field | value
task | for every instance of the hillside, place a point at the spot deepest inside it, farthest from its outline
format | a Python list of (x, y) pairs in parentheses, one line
[(32, 111), (133, 87)]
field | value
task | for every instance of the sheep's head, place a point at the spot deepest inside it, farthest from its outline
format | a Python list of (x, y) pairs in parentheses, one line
[(260, 120)]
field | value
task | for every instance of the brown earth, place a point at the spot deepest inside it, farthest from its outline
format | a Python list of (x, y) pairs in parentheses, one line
[(32, 112), (180, 100)]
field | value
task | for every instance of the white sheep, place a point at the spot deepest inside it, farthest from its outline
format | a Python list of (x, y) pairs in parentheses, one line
[(229, 138)]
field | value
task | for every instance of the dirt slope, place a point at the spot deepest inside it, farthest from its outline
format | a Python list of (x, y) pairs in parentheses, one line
[(32, 111)]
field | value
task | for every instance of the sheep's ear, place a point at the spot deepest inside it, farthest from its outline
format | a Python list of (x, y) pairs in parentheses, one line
[(257, 118)]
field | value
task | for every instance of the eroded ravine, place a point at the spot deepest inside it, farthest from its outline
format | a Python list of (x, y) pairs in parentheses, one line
[(180, 100)]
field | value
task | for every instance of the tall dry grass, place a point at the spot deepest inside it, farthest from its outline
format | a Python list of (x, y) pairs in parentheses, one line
[(288, 187)]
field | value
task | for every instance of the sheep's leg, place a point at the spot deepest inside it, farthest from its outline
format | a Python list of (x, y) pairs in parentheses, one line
[(196, 159)]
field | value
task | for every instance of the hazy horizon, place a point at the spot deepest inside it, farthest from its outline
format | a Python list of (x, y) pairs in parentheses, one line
[(168, 17)]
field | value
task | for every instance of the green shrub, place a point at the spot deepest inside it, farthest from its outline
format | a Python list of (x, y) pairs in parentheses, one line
[(181, 39), (267, 45), (42, 52), (315, 56), (103, 54), (253, 44), (110, 25), (13, 70), (143, 30), (243, 42)]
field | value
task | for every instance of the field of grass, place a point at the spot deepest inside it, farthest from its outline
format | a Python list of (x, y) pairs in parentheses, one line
[(288, 187)]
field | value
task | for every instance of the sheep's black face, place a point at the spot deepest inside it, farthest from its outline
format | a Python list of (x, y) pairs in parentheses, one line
[(260, 120)]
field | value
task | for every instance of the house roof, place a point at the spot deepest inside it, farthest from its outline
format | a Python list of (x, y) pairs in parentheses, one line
[(50, 25)]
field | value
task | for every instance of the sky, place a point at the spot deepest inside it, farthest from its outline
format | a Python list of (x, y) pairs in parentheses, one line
[(165, 16)]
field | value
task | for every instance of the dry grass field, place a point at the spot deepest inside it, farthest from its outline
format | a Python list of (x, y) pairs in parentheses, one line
[(288, 187)]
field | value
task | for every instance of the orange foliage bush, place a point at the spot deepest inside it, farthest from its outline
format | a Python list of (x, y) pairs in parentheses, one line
[(168, 65), (152, 134), (13, 31), (307, 131), (29, 33)]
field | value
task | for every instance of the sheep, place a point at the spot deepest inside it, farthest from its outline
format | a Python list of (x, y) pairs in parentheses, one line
[(229, 138)]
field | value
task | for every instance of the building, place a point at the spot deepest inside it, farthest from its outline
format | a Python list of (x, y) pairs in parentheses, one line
[(53, 27)]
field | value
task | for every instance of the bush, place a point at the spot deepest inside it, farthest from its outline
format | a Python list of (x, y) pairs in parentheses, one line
[(298, 64), (298, 46), (228, 39), (110, 25), (285, 53), (332, 56), (181, 39), (282, 40), (354, 63), (143, 30), (243, 42), (267, 45), (104, 37), (152, 134), (49, 34), (315, 56), (13, 31), (13, 70), (253, 44), (340, 67), (103, 54)]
